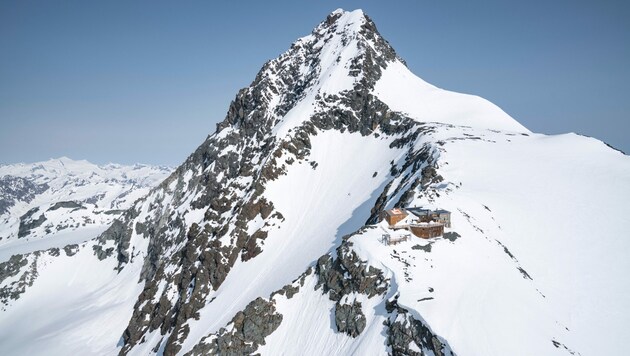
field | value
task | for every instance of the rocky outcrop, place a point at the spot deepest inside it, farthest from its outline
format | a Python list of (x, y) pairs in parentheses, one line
[(349, 318), (66, 205), (452, 236), (16, 274), (120, 235), (71, 250), (347, 274), (244, 334), (405, 334), (28, 222), (17, 189)]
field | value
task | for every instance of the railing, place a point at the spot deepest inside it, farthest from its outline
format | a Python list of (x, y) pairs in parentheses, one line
[(388, 240), (407, 226)]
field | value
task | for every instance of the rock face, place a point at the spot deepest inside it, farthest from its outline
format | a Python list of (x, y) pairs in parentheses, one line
[(347, 274), (14, 189), (66, 205), (349, 318), (22, 270), (29, 222), (404, 332), (244, 334)]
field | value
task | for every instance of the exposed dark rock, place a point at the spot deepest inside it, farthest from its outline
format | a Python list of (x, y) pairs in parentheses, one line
[(379, 206), (403, 330), (71, 250), (558, 344), (66, 205), (120, 234), (349, 318), (430, 175), (27, 223), (347, 274), (411, 182), (13, 267), (252, 248), (261, 206), (25, 266), (244, 334), (519, 268), (524, 273), (391, 305), (614, 148), (15, 189), (425, 248), (409, 194), (289, 291), (451, 236), (94, 199)]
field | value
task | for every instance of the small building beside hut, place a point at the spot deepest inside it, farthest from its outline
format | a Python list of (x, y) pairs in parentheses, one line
[(394, 216), (428, 215), (443, 216)]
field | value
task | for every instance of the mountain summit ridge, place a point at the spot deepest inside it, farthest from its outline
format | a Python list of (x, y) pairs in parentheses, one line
[(324, 56), (346, 53)]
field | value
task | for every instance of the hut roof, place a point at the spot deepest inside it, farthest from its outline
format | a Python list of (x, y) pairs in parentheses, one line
[(396, 211)]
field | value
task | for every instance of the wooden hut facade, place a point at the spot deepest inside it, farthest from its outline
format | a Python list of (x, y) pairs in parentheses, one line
[(427, 231)]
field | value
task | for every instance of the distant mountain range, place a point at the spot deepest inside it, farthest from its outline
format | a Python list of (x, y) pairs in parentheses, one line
[(52, 203)]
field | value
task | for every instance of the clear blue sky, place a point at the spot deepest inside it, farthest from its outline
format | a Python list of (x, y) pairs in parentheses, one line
[(146, 81)]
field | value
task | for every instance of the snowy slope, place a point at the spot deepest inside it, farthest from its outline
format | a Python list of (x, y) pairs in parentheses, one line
[(311, 226), (76, 306), (402, 91), (559, 202), (266, 239)]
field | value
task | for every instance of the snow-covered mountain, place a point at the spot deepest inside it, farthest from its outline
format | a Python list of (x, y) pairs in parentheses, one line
[(266, 239), (62, 201)]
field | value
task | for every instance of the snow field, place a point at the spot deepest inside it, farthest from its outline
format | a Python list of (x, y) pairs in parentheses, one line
[(317, 212)]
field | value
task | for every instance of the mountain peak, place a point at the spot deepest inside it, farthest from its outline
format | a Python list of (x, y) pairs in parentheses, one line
[(342, 51), (345, 56), (340, 16), (352, 25)]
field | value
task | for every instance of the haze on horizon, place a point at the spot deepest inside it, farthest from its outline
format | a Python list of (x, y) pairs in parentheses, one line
[(147, 82)]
